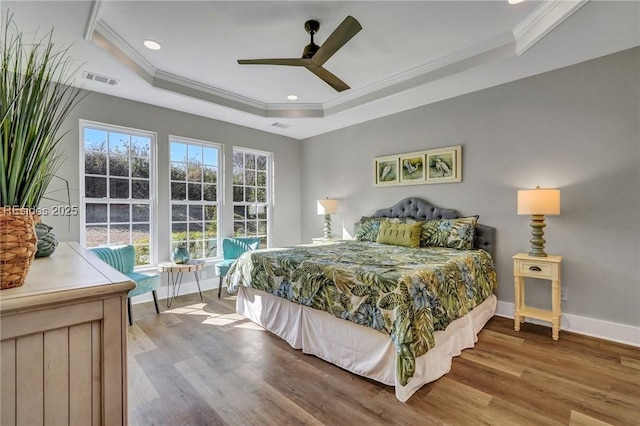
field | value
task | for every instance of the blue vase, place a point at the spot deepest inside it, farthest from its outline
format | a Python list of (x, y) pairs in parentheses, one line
[(180, 254)]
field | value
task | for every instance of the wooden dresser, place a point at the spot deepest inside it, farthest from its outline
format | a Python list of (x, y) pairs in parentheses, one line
[(63, 350)]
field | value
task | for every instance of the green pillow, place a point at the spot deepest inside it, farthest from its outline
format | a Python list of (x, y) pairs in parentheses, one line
[(400, 234), (453, 233), (368, 228)]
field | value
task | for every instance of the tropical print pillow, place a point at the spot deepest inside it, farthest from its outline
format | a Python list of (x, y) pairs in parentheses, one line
[(368, 229), (452, 233)]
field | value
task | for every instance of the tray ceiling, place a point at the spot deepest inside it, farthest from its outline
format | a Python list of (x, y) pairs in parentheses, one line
[(408, 53)]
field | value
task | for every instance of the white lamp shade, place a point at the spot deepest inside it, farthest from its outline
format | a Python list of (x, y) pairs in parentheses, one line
[(327, 206), (539, 201)]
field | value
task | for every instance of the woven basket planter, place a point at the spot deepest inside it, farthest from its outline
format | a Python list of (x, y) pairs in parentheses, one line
[(18, 245)]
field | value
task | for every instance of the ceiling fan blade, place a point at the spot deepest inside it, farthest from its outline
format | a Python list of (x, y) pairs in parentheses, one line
[(338, 38), (298, 62), (328, 78)]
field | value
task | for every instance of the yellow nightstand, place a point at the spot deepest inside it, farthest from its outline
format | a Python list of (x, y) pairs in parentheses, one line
[(546, 268)]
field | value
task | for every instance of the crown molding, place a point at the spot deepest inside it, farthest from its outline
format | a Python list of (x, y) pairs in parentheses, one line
[(493, 49), (164, 76), (177, 84), (528, 32), (103, 43), (108, 40), (196, 90), (306, 110), (119, 44), (94, 16), (542, 20)]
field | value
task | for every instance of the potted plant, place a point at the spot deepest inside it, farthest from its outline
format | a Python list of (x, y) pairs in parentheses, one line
[(36, 96)]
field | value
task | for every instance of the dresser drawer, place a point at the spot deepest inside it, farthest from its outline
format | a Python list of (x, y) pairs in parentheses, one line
[(535, 269)]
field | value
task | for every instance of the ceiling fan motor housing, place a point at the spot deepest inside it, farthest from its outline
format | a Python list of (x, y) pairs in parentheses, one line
[(312, 26), (310, 49)]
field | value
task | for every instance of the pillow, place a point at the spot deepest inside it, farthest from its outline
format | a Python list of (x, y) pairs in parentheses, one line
[(452, 233), (400, 234), (368, 228)]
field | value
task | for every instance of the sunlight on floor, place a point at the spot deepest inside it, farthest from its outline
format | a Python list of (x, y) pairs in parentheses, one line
[(195, 309), (223, 320), (231, 320)]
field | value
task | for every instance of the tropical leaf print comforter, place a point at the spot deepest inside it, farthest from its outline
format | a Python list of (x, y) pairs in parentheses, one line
[(405, 292)]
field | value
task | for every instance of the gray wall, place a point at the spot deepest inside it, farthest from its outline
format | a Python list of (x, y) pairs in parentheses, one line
[(165, 122), (576, 129)]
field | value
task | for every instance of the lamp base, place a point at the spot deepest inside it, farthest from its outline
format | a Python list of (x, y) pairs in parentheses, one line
[(327, 227), (537, 242)]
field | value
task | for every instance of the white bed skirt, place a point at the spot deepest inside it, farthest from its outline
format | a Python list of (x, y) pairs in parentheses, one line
[(357, 348)]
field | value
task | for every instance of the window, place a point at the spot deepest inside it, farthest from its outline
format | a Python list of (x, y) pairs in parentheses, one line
[(194, 175), (252, 194), (117, 187)]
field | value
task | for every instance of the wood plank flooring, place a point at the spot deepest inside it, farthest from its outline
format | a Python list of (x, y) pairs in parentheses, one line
[(199, 363)]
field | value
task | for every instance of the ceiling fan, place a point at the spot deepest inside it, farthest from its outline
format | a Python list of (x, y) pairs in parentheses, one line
[(314, 56)]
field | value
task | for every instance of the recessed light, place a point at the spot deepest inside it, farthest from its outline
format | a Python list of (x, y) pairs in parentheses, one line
[(150, 44), (292, 97), (515, 1)]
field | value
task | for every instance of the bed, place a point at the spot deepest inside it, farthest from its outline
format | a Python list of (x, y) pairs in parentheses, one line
[(391, 305)]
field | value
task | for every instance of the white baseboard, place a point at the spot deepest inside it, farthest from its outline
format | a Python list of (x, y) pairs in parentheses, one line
[(615, 332)]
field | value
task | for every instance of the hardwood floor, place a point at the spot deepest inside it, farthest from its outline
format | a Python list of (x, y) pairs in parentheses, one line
[(199, 363)]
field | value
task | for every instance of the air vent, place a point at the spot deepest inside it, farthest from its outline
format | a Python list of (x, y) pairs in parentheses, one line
[(100, 78), (280, 125)]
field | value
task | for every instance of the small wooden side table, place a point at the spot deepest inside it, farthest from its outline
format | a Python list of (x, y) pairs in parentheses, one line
[(546, 268), (173, 289)]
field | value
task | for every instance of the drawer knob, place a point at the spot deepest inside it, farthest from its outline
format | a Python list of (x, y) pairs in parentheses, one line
[(535, 268)]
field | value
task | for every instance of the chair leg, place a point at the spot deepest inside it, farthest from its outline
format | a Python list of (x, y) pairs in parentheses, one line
[(155, 300), (220, 286), (129, 311)]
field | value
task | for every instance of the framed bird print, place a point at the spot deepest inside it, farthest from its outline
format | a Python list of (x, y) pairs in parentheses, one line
[(386, 171), (440, 165), (412, 168), (444, 165)]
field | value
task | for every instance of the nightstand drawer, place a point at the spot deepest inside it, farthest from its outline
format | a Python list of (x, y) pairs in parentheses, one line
[(535, 269)]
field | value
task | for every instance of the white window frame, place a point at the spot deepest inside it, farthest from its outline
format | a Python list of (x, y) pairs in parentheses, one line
[(218, 203), (269, 189), (153, 189)]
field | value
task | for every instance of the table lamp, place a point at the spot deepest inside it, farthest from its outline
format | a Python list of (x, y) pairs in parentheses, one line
[(537, 203), (327, 207)]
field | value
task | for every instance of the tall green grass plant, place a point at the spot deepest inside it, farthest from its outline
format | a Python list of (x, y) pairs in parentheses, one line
[(36, 95)]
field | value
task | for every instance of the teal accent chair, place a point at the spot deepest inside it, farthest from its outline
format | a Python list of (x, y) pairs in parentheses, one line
[(123, 258), (232, 248)]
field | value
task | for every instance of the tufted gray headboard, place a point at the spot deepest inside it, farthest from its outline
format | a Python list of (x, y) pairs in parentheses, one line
[(420, 209)]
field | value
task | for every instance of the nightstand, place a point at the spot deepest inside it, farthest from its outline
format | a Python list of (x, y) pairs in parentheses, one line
[(545, 268)]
